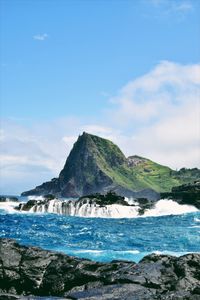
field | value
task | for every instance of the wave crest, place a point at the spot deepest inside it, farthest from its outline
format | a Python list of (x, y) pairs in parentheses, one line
[(87, 209)]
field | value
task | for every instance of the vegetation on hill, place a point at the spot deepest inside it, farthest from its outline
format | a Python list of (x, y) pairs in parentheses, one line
[(96, 165)]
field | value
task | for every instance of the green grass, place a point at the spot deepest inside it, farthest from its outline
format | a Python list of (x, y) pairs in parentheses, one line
[(146, 174)]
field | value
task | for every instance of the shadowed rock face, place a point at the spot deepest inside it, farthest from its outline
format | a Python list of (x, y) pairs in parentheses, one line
[(185, 194), (31, 270)]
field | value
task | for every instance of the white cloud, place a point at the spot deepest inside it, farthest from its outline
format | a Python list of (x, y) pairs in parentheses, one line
[(160, 110), (69, 140), (97, 129), (170, 8), (2, 136), (156, 94), (183, 6), (41, 37), (30, 155)]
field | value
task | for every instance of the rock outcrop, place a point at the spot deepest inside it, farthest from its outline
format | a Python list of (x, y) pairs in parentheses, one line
[(185, 194), (109, 205), (33, 271), (96, 165)]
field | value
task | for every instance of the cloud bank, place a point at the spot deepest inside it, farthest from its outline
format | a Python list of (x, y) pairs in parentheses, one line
[(155, 115)]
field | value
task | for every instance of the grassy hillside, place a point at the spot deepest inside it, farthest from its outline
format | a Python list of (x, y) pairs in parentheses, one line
[(156, 176), (141, 174), (145, 175)]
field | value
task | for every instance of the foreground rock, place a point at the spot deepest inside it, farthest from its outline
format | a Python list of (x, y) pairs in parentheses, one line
[(33, 271), (185, 194)]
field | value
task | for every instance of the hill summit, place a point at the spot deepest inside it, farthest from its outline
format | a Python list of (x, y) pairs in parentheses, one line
[(96, 165)]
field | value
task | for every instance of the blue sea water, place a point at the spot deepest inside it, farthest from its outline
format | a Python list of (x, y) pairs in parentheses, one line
[(102, 239)]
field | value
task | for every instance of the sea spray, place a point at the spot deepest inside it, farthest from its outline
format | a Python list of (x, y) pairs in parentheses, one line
[(103, 239), (8, 206), (166, 207), (90, 209)]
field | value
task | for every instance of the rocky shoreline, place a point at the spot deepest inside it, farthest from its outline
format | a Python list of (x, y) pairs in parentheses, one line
[(98, 205), (34, 271)]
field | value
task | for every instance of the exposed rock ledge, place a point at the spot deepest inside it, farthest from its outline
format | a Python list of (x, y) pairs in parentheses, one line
[(33, 271), (185, 194), (110, 205)]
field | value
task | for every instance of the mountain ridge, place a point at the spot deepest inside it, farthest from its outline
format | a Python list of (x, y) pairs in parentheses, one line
[(97, 165)]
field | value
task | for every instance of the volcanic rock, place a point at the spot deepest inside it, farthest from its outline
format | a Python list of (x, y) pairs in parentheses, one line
[(33, 271)]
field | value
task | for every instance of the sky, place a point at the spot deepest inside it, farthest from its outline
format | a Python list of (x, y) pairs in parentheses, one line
[(126, 70)]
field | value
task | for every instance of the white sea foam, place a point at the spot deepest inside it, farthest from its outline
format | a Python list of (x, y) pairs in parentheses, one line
[(173, 253), (162, 208), (130, 201), (166, 207), (87, 209), (108, 211), (35, 198), (9, 206), (194, 226), (88, 251), (130, 251), (106, 251), (196, 220)]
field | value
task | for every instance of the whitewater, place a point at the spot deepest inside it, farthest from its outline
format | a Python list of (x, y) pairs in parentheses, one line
[(87, 209), (117, 232)]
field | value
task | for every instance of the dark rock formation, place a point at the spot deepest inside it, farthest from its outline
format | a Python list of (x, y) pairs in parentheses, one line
[(31, 270), (107, 199), (91, 204), (9, 198), (185, 194), (96, 165)]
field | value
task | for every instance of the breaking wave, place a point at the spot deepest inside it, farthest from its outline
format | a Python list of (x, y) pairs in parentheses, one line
[(35, 198), (87, 209), (8, 206), (169, 207), (196, 220)]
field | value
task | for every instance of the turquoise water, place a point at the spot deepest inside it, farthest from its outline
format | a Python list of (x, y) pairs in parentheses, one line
[(104, 239)]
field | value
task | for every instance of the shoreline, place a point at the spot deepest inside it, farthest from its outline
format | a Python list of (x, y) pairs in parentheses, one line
[(34, 271)]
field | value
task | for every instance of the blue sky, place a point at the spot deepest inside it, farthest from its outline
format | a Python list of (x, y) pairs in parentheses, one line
[(69, 66)]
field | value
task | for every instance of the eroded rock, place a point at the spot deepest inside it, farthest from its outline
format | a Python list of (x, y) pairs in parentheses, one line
[(33, 271)]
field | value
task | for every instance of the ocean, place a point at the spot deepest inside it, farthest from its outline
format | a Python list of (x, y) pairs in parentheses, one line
[(105, 239)]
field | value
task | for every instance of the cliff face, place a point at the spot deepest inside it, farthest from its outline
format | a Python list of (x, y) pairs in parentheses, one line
[(85, 170), (96, 165)]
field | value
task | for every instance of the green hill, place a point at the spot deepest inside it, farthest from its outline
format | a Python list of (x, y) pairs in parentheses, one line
[(98, 165)]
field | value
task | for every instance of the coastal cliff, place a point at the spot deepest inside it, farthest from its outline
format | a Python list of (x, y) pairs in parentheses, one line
[(96, 165)]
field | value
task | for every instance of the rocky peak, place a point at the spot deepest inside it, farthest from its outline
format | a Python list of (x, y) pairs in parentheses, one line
[(97, 165), (86, 166)]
